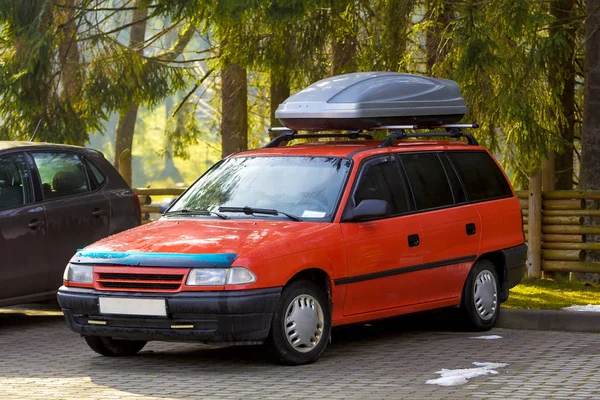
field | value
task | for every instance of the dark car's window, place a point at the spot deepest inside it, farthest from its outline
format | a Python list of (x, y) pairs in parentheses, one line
[(14, 182), (98, 176), (380, 179), (457, 190), (427, 180), (480, 174), (61, 174), (307, 187)]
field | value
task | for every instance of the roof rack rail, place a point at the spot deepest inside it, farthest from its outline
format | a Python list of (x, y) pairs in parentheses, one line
[(398, 132), (288, 134)]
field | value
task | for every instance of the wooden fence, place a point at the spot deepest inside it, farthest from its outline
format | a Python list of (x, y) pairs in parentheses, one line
[(560, 230), (146, 194)]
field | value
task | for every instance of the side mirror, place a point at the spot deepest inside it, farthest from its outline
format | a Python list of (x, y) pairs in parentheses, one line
[(370, 208), (165, 204)]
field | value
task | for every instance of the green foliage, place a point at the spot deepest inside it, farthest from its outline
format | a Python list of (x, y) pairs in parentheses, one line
[(34, 73), (501, 54)]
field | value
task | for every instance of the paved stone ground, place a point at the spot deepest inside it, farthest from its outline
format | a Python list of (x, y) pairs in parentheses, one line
[(41, 359)]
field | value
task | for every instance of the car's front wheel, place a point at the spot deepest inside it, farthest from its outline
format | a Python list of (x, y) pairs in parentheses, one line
[(301, 324), (481, 301), (114, 348)]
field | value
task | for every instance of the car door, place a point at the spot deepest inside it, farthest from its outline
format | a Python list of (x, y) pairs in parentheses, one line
[(76, 215), (24, 266), (451, 227), (382, 253)]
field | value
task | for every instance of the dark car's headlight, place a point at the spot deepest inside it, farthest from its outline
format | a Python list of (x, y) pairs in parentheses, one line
[(78, 273), (220, 276)]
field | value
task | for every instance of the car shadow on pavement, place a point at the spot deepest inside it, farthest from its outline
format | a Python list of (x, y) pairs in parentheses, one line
[(42, 349)]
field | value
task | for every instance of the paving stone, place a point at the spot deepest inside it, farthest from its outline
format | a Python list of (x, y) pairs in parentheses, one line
[(41, 359)]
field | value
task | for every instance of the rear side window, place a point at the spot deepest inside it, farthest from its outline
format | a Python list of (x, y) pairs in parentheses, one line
[(481, 176), (427, 180), (61, 174), (380, 180), (98, 176), (14, 182), (457, 190)]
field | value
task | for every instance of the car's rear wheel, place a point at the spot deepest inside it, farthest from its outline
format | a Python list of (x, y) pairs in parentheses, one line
[(114, 348), (301, 324), (481, 301)]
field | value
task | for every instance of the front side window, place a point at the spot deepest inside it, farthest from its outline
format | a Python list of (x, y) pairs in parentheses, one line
[(14, 182), (305, 187), (427, 180), (61, 174), (380, 179), (481, 176)]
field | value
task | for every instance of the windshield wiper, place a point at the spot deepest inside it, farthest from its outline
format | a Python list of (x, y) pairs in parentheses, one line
[(251, 210), (186, 211)]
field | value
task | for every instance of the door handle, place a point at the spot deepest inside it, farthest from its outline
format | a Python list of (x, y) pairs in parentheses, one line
[(98, 212), (35, 224), (471, 229), (413, 240)]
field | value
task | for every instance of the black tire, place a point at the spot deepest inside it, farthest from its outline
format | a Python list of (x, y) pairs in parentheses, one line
[(110, 347), (473, 310), (279, 345)]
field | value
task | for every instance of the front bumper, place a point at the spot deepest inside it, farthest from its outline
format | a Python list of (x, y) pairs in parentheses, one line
[(240, 317)]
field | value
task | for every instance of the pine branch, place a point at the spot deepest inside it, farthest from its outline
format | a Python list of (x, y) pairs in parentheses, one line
[(187, 96)]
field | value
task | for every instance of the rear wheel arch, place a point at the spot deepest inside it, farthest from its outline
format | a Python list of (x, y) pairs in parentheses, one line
[(497, 259)]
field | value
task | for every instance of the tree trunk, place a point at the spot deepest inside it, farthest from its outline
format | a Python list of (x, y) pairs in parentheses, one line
[(589, 177), (441, 14), (344, 43), (548, 174), (234, 109), (590, 147), (69, 52), (397, 19), (562, 83), (126, 124), (280, 90), (534, 253)]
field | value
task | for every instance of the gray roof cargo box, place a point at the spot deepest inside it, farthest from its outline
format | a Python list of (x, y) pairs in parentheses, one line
[(367, 100)]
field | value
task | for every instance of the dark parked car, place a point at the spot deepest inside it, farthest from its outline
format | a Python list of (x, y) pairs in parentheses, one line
[(54, 199)]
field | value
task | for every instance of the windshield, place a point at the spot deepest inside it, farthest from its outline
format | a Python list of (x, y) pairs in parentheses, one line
[(306, 187)]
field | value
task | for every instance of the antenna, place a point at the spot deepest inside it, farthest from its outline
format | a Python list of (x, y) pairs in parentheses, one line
[(35, 131)]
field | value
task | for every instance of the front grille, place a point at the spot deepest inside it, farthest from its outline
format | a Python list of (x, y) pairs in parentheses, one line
[(139, 278), (136, 285)]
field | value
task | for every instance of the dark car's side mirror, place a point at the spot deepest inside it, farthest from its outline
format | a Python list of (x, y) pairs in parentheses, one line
[(370, 208)]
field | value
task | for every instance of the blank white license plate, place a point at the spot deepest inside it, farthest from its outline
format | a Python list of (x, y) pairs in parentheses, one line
[(126, 306)]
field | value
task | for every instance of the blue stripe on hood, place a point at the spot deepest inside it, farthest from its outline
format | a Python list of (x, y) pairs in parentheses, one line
[(144, 259)]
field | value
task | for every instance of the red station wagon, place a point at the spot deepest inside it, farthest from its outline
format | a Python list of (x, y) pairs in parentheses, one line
[(280, 244)]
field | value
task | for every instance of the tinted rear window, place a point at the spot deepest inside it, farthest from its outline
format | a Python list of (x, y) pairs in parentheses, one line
[(459, 194), (427, 180), (481, 176)]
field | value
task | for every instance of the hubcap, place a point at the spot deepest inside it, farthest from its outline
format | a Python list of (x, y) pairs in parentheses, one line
[(303, 323), (486, 295)]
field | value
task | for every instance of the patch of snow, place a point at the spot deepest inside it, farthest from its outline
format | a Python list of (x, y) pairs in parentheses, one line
[(488, 337), (588, 308), (453, 377)]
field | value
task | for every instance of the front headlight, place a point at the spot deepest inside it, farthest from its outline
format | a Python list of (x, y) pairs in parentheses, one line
[(78, 273), (220, 276)]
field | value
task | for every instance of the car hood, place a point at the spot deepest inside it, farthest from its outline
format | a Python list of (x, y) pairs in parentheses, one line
[(230, 239)]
